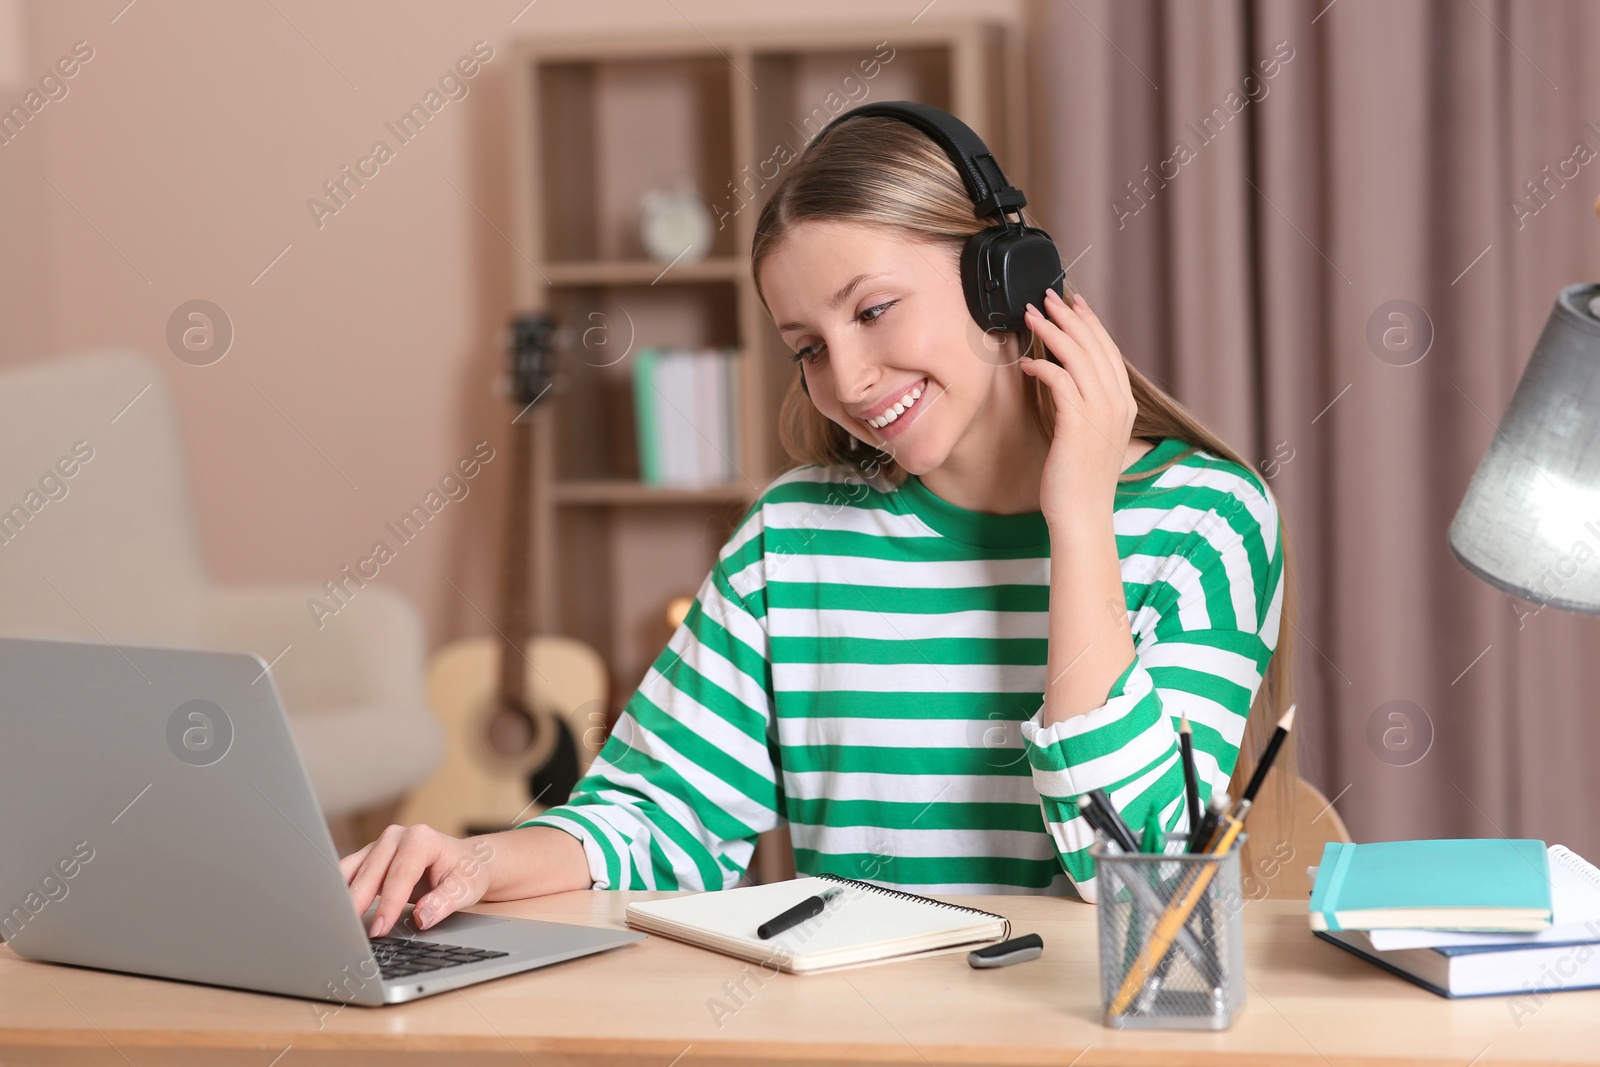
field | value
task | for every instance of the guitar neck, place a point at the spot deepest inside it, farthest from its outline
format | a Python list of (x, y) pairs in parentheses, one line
[(515, 594)]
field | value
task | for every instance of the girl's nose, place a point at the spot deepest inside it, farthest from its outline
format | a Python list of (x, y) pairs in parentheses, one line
[(854, 373)]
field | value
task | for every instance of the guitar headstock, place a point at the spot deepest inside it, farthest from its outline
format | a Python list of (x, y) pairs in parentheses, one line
[(531, 346)]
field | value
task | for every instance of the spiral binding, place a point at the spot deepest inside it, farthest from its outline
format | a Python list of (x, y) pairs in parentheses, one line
[(1576, 864), (919, 898)]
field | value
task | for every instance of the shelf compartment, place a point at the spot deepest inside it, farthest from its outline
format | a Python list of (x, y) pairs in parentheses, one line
[(643, 272), (595, 430), (611, 492), (612, 129)]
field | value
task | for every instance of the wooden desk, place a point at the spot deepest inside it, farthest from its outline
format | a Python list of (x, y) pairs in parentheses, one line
[(650, 1004)]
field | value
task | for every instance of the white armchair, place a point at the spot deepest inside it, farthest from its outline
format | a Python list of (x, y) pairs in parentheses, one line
[(100, 544)]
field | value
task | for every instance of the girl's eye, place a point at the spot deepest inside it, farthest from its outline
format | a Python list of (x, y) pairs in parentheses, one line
[(879, 308), (868, 315)]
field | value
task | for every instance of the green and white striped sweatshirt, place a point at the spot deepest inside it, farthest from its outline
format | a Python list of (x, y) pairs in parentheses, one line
[(868, 664)]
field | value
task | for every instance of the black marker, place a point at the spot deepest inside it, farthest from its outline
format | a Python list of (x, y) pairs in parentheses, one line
[(806, 909), (1017, 950), (1191, 779)]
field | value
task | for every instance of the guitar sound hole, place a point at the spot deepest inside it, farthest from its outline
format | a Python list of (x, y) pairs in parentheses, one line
[(510, 731)]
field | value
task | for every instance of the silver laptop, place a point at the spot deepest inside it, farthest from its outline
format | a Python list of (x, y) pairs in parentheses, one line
[(156, 818)]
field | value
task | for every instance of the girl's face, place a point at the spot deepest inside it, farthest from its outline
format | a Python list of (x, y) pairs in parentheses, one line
[(880, 323)]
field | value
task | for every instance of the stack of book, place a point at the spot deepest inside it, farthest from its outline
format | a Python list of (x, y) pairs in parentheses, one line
[(686, 409), (1464, 918)]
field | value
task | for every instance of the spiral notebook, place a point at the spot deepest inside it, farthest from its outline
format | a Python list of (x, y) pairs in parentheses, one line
[(866, 924)]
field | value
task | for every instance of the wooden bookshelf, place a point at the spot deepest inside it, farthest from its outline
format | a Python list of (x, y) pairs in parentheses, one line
[(597, 122), (622, 491)]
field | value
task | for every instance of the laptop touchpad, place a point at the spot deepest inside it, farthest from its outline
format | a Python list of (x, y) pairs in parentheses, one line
[(457, 924)]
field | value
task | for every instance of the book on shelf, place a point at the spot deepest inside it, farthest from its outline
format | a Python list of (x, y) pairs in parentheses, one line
[(686, 410)]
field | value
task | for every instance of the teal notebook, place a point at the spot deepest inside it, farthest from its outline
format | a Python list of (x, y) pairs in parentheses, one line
[(644, 415), (1466, 884)]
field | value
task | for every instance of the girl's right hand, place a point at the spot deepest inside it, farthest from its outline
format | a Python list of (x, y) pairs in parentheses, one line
[(391, 870)]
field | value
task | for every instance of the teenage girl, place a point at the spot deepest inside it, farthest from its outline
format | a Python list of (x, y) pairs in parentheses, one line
[(1006, 566)]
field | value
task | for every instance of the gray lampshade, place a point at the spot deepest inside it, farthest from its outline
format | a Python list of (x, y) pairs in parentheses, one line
[(1530, 522)]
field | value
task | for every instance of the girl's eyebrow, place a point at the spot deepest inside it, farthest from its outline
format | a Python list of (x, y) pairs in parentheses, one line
[(838, 298)]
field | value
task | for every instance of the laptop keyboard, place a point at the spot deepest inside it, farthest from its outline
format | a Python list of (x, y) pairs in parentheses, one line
[(401, 957)]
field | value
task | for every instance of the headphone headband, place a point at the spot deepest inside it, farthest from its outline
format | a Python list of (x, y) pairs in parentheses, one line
[(986, 183), (1003, 267)]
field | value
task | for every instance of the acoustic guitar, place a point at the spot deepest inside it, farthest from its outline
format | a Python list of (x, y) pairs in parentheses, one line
[(523, 715)]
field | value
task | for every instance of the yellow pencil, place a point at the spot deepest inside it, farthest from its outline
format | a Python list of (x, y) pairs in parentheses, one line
[(1172, 919)]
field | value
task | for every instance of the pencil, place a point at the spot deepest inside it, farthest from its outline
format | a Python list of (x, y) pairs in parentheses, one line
[(1172, 920), (1191, 782), (1264, 764)]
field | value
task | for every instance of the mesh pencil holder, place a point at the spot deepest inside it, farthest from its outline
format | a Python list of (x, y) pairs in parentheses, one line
[(1198, 982)]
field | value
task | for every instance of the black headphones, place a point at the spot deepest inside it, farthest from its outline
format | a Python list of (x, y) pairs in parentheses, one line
[(1006, 266)]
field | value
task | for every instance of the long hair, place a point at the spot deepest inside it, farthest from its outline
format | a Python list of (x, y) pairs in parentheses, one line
[(883, 172)]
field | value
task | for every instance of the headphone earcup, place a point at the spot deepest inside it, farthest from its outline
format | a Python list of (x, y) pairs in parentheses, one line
[(1003, 270)]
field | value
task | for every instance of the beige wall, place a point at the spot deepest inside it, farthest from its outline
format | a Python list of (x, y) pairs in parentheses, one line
[(179, 165)]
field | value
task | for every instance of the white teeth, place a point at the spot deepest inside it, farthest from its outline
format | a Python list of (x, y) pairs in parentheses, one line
[(895, 412)]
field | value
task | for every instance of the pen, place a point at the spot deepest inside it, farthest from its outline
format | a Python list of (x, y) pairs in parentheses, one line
[(796, 915), (1208, 822), (1108, 813), (1092, 815), (1191, 780)]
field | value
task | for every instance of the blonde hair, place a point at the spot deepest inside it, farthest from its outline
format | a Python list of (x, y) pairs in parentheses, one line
[(883, 172)]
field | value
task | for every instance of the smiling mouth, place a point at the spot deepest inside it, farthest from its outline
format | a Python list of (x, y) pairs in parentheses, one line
[(899, 407)]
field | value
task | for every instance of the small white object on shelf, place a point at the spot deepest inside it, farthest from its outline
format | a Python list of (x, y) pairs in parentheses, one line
[(675, 226)]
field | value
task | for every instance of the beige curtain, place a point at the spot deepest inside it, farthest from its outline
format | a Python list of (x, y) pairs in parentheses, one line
[(1383, 154)]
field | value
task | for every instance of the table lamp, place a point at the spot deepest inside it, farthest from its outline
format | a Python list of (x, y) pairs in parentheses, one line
[(1530, 521)]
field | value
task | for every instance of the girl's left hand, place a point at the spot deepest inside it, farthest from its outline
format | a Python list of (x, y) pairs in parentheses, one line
[(1094, 409)]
